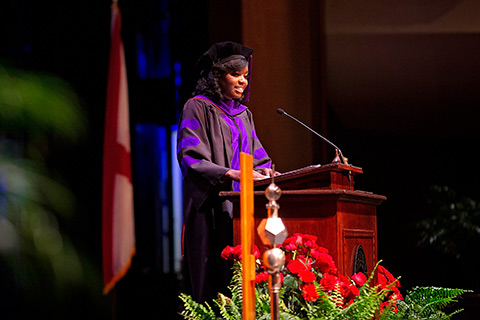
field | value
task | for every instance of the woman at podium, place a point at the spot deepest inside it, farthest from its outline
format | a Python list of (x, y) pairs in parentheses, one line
[(214, 128)]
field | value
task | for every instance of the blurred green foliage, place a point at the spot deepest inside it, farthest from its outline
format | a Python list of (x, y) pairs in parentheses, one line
[(41, 271), (455, 225), (448, 237), (39, 105)]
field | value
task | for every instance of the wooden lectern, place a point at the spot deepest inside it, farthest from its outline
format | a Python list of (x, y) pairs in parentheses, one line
[(321, 200)]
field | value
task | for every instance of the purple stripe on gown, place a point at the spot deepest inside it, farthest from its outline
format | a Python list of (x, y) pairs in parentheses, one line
[(189, 123), (191, 141), (188, 142), (241, 125), (260, 154), (235, 164), (188, 161), (245, 147), (254, 135)]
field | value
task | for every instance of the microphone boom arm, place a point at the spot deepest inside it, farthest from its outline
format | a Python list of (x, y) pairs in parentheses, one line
[(337, 149)]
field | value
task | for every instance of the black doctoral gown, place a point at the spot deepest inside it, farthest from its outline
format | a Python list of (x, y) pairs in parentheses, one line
[(210, 139)]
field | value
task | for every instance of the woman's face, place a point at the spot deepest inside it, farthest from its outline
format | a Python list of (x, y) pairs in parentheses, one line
[(234, 83)]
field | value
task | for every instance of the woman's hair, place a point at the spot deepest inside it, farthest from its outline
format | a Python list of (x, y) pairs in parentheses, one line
[(209, 82)]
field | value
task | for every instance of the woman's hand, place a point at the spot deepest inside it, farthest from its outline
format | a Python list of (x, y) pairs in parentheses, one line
[(269, 172), (257, 175), (233, 175)]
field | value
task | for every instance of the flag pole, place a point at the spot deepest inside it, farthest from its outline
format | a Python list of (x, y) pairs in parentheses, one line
[(118, 226)]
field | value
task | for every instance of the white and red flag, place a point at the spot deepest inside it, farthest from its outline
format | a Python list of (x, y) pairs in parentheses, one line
[(118, 226)]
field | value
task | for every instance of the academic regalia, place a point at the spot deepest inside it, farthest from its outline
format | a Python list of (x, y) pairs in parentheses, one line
[(211, 135)]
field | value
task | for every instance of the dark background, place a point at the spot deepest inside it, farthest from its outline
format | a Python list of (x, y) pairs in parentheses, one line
[(407, 113)]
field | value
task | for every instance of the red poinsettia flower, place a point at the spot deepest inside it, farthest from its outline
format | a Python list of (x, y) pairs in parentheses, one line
[(290, 244), (352, 292), (261, 277), (309, 241), (385, 304), (235, 253), (309, 292), (307, 276), (387, 281), (227, 253), (328, 282), (295, 266), (385, 278), (317, 250), (386, 275), (307, 262), (359, 278), (347, 288), (256, 252), (264, 276), (324, 262), (293, 242)]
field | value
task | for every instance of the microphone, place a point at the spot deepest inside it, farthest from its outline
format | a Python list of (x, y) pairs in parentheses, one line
[(337, 149)]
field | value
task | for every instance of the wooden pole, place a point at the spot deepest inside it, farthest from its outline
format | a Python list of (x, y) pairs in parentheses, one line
[(247, 239)]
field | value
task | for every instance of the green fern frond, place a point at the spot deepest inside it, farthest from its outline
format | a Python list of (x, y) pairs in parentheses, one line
[(434, 296), (336, 296), (262, 304), (365, 305), (426, 303), (389, 313), (454, 313), (194, 310), (265, 316), (432, 299), (323, 308), (236, 285), (228, 309), (287, 316)]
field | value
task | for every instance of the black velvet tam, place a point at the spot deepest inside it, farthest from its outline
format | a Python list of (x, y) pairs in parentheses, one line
[(221, 51)]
